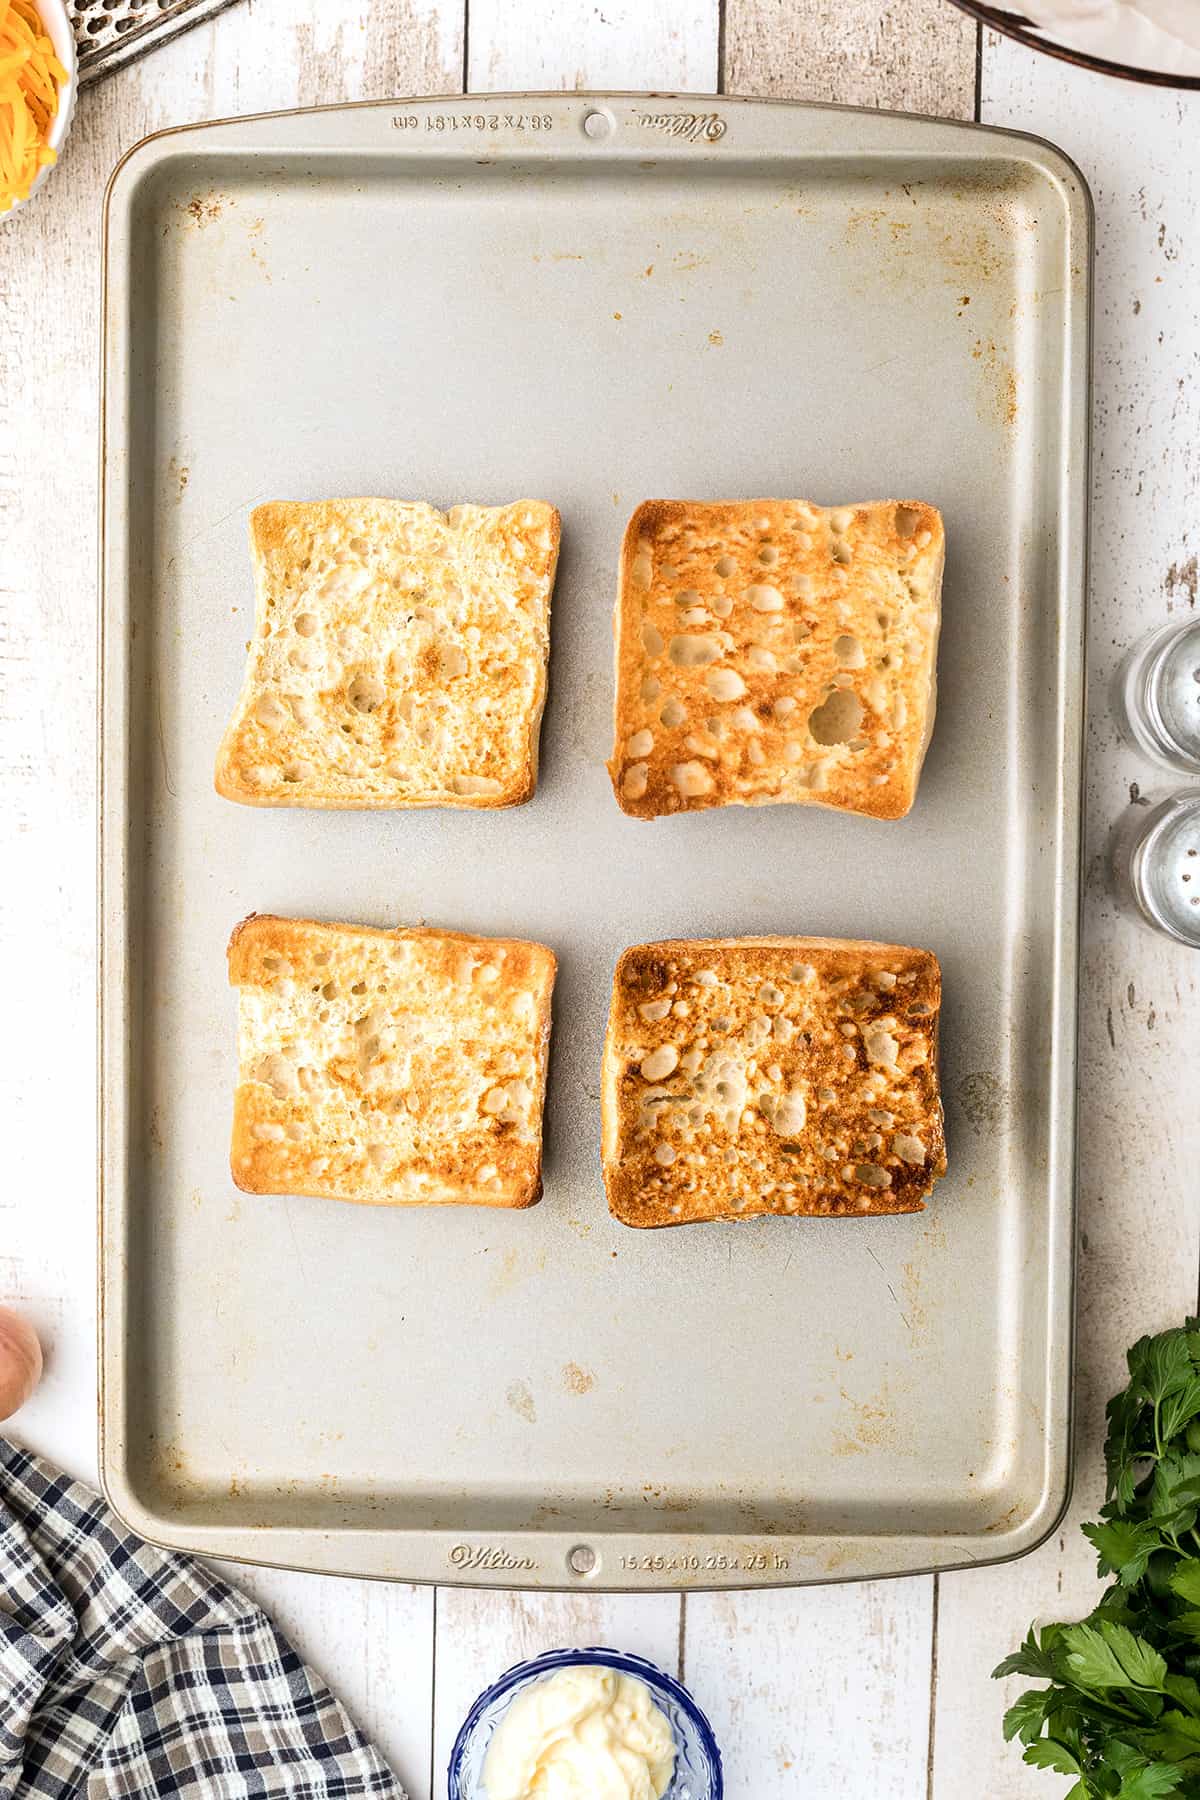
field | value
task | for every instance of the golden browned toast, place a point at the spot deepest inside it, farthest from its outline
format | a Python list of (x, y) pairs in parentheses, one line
[(773, 650), (399, 655), (394, 1068), (771, 1075)]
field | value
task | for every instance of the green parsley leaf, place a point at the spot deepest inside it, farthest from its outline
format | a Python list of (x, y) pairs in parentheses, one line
[(1047, 1753), (1185, 1693), (1153, 1782), (1178, 1408), (1181, 1731), (1124, 1548), (1033, 1658), (1185, 1581), (1160, 1365), (1174, 1496), (1027, 1714), (1110, 1656), (1130, 1439)]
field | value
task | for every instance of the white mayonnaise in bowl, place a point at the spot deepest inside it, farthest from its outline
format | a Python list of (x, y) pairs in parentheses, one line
[(586, 1725)]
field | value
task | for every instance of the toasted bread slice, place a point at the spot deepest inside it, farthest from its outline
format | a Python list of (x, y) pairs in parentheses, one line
[(771, 1075), (772, 650), (393, 1068), (399, 655)]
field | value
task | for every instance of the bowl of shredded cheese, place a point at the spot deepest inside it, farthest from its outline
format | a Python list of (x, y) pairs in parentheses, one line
[(37, 93)]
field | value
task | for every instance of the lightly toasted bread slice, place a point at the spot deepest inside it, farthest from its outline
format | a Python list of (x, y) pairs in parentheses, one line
[(392, 1068), (399, 655), (771, 1075), (773, 650)]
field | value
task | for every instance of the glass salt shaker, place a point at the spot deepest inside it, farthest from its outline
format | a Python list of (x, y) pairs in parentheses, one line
[(1162, 865), (1158, 696)]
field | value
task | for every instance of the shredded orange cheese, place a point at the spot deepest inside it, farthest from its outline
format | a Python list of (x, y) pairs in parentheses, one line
[(30, 77)]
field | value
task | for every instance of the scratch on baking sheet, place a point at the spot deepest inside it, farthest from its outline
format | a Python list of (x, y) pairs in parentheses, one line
[(162, 749), (240, 507), (891, 1290), (1006, 1518), (287, 1211)]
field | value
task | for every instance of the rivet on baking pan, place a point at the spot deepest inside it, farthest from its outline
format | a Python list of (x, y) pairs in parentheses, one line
[(597, 124), (582, 1560)]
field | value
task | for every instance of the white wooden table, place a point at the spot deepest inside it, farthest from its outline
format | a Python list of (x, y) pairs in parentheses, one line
[(878, 1690)]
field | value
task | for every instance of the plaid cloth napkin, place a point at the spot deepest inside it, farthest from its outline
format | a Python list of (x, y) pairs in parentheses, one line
[(125, 1671)]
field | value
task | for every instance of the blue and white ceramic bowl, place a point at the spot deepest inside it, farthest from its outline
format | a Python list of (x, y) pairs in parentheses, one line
[(697, 1759)]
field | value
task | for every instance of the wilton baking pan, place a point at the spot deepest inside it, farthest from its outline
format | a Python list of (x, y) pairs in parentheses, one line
[(593, 299)]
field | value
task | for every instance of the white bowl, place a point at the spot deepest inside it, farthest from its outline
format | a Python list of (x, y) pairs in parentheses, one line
[(53, 15), (1139, 40)]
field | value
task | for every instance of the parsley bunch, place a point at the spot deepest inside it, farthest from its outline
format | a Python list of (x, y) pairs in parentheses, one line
[(1122, 1711)]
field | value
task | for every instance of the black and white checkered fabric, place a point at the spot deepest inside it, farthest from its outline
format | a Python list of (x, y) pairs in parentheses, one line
[(125, 1671)]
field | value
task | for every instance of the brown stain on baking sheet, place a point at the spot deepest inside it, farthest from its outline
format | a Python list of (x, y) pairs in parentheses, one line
[(510, 1272), (914, 244), (519, 1399), (984, 1100), (203, 210), (1184, 578), (577, 1380), (870, 1424), (999, 382), (915, 1303)]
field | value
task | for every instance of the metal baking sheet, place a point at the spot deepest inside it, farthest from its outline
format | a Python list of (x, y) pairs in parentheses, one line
[(593, 299)]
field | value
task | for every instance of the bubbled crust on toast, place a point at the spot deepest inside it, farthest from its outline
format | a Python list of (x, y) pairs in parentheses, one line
[(771, 1075), (399, 655), (392, 1068), (773, 650)]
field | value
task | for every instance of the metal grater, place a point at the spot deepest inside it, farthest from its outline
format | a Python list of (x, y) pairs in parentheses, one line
[(111, 33)]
